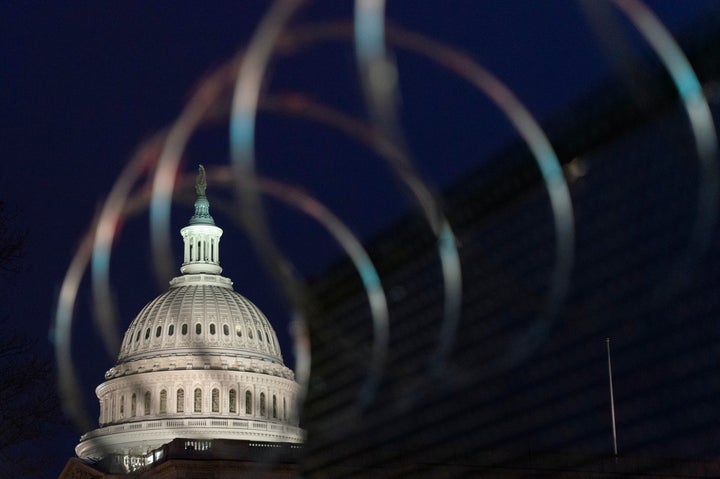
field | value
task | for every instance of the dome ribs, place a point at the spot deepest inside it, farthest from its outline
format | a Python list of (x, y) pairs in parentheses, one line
[(207, 305)]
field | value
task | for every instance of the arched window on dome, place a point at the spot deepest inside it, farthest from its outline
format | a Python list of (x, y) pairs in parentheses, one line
[(250, 333), (198, 328), (146, 403), (212, 328), (197, 404), (171, 330), (122, 407), (180, 406), (238, 331), (232, 400), (163, 401), (274, 407), (137, 336), (271, 345), (147, 333), (133, 405), (184, 329), (248, 402), (259, 335), (226, 330), (158, 331), (215, 396), (263, 406)]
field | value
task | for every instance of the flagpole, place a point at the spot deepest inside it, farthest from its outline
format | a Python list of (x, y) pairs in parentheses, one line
[(612, 399)]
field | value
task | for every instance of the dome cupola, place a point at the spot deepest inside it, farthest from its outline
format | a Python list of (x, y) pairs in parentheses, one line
[(201, 237)]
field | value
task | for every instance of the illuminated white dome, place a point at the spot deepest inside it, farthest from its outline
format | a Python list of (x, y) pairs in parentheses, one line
[(200, 361), (200, 315)]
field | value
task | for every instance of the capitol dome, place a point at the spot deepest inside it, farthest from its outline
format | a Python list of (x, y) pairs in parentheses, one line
[(200, 361), (200, 314)]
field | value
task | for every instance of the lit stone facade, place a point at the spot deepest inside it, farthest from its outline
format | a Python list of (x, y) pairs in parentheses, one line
[(200, 361)]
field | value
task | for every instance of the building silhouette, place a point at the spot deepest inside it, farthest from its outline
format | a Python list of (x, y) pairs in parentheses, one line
[(520, 394)]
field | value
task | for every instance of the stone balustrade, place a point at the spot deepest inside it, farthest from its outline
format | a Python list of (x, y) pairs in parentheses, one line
[(200, 424)]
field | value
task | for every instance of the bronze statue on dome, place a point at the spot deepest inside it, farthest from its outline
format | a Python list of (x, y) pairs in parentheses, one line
[(200, 182)]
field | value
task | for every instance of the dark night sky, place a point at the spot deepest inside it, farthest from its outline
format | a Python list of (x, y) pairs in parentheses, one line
[(83, 83)]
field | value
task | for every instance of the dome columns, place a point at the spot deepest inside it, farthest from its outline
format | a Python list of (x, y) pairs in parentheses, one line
[(201, 252)]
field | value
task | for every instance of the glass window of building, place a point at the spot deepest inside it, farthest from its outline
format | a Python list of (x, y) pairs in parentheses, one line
[(180, 406), (198, 400)]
